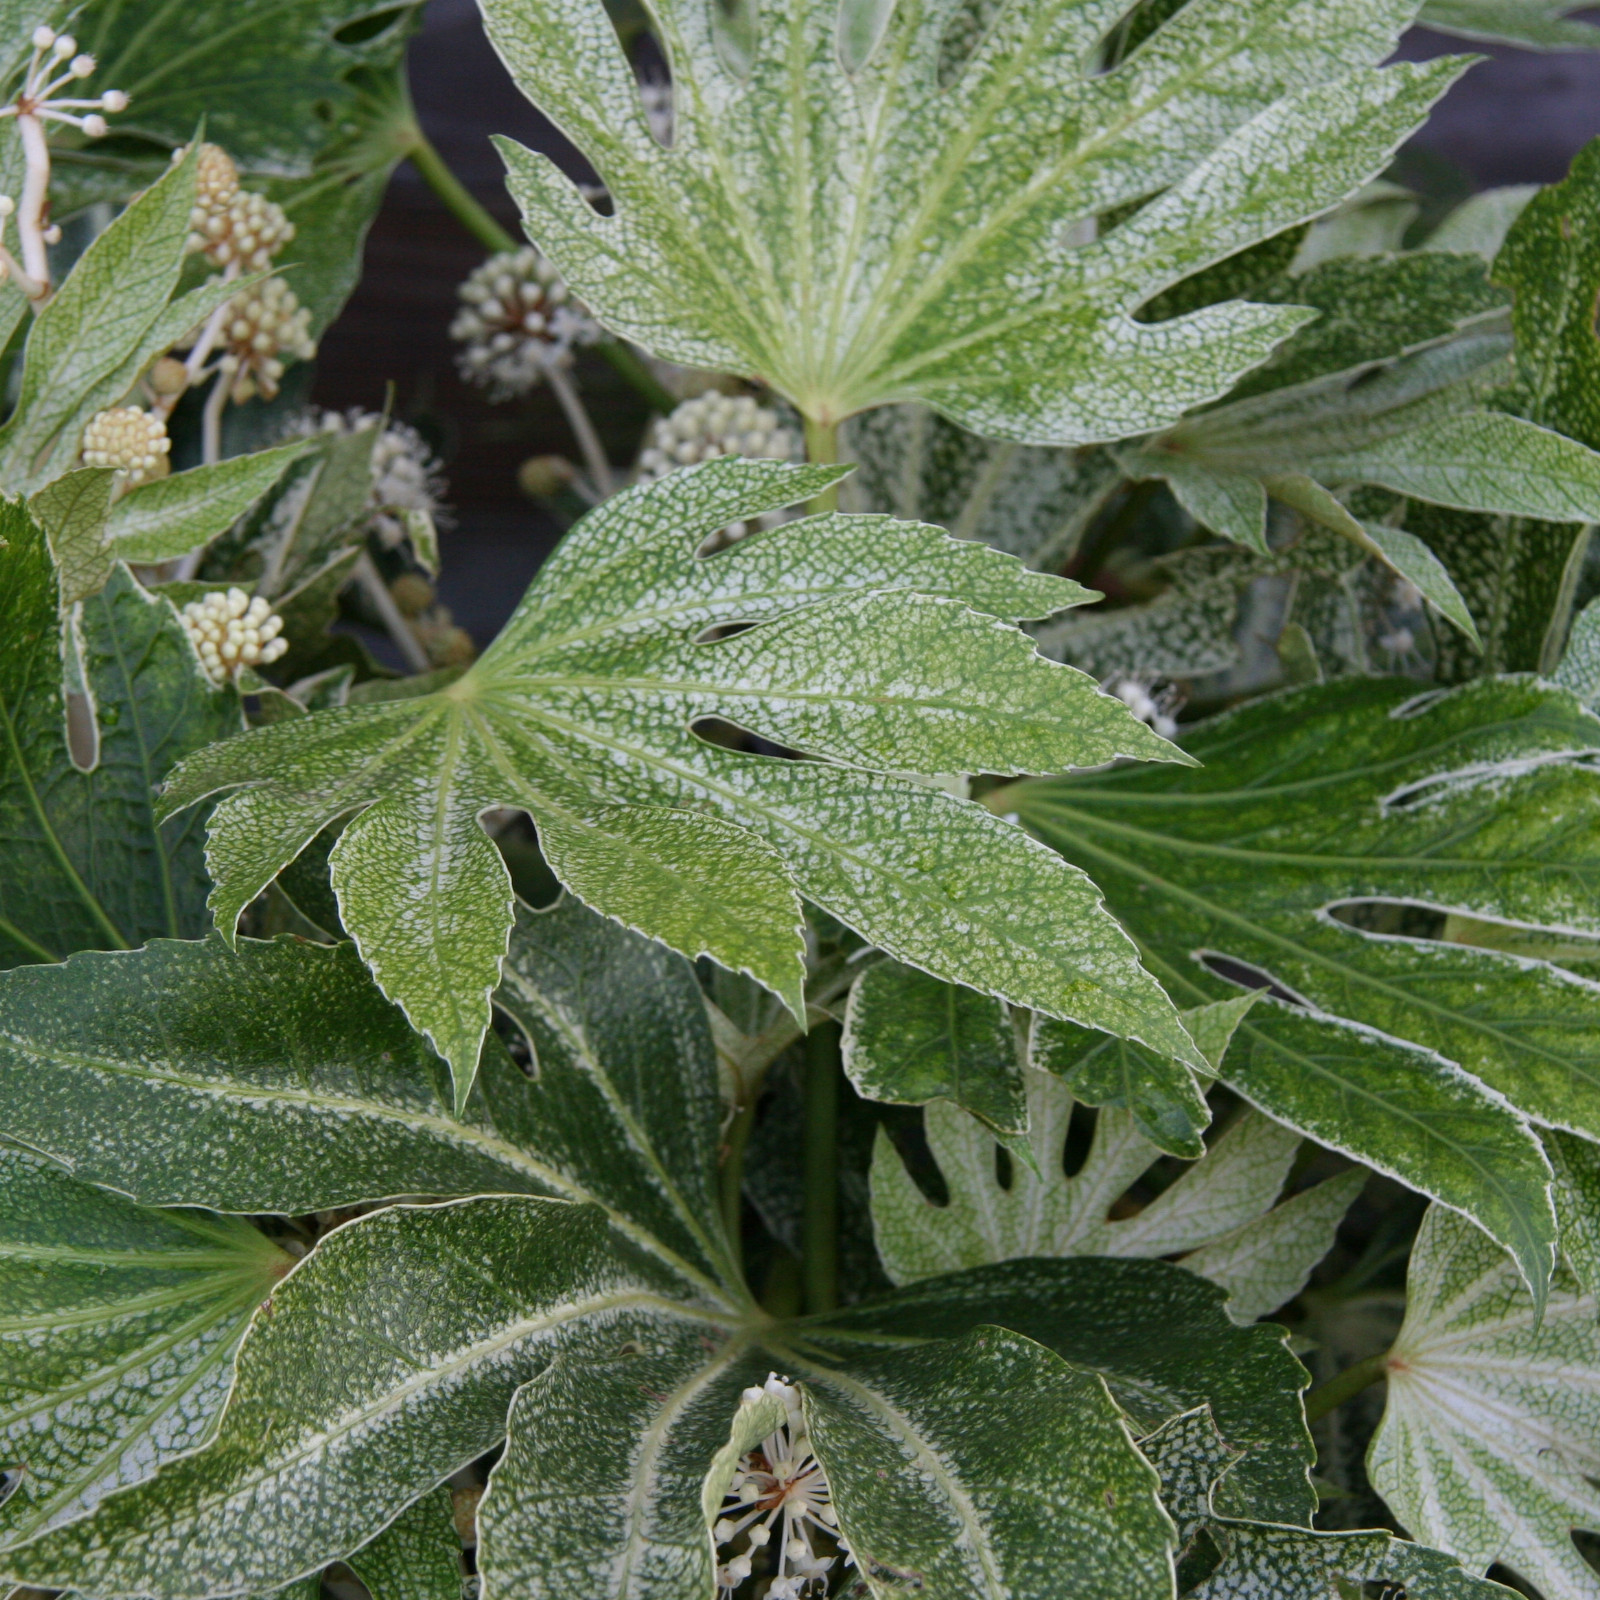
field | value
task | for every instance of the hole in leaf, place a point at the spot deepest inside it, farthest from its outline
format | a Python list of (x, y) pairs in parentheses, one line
[(365, 29), (1080, 1139), (1004, 1172), (729, 736), (862, 25), (1247, 976), (1393, 918)]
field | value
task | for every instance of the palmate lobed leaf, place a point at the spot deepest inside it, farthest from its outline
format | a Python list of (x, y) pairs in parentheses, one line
[(1477, 800), (392, 1354), (118, 1326), (880, 652), (1221, 1215), (861, 211), (1487, 1445)]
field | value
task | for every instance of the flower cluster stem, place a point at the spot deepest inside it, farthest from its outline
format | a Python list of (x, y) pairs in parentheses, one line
[(819, 1230), (1346, 1385), (459, 201), (583, 430)]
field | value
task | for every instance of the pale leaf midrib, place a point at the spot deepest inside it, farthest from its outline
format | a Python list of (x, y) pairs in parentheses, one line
[(909, 887), (930, 1460), (1312, 956), (446, 1131)]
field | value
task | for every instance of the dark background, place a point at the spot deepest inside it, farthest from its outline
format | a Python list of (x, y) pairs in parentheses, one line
[(1518, 117)]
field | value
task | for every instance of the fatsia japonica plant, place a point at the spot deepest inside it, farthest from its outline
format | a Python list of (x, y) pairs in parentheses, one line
[(1010, 926)]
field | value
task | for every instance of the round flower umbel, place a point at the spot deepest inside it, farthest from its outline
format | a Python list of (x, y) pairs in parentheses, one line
[(518, 320), (231, 225), (264, 329), (230, 631), (779, 1491), (406, 475), (132, 442)]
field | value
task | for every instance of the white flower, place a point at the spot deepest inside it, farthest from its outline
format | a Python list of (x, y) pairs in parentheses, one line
[(517, 320), (1155, 707), (56, 63), (406, 475), (131, 441), (780, 1496), (230, 631)]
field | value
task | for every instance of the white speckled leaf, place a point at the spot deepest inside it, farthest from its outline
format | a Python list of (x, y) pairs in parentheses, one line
[(1264, 1263), (1160, 1093), (383, 1363), (417, 1557), (276, 1077), (1528, 24), (1423, 1058), (982, 1469), (910, 1039), (950, 1444), (118, 1326), (881, 650), (1030, 502), (1267, 1561), (918, 224), (1488, 1441), (1580, 665), (1222, 1197), (1576, 1164), (161, 520)]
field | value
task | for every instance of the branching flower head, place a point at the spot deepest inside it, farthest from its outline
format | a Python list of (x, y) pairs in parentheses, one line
[(231, 225), (55, 64), (779, 1491), (517, 320), (129, 440), (230, 631), (264, 329)]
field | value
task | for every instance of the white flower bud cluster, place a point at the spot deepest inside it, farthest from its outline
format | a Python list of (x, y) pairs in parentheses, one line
[(56, 63), (132, 442), (230, 631), (406, 475), (517, 320), (230, 224), (712, 425), (1155, 707), (265, 328), (779, 1498)]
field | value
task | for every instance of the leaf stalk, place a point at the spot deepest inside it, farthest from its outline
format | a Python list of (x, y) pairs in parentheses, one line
[(1349, 1383), (819, 1227)]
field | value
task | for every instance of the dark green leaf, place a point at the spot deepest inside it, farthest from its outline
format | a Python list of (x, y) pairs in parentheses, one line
[(382, 1364), (83, 862), (1358, 792), (909, 1039)]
